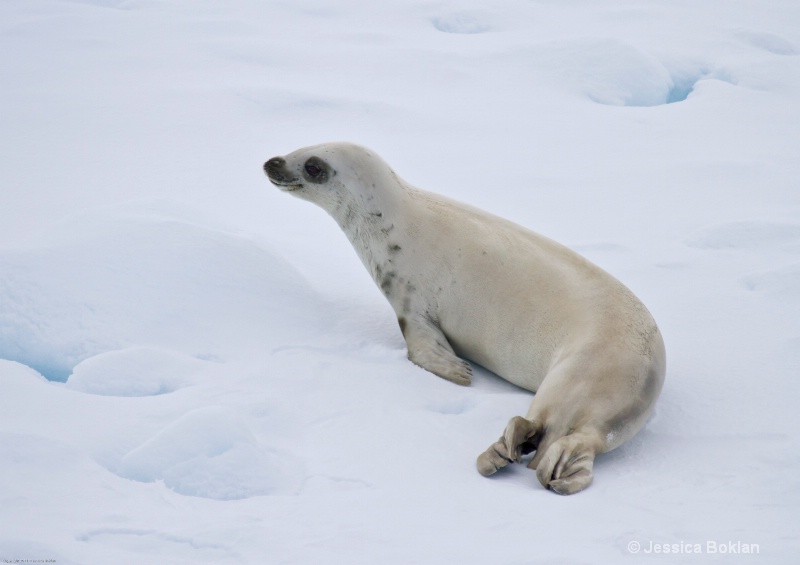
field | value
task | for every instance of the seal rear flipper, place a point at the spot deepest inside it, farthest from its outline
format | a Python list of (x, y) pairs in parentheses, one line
[(520, 438), (428, 348), (566, 467)]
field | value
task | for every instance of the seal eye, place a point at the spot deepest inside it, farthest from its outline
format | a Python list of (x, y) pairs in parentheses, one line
[(312, 170), (316, 171)]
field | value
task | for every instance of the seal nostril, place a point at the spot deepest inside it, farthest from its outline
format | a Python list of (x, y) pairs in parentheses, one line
[(274, 164)]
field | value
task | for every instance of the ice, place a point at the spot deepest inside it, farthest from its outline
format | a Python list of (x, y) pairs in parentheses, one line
[(194, 367), (738, 235), (609, 71), (208, 453), (769, 42), (111, 282), (460, 22), (137, 371)]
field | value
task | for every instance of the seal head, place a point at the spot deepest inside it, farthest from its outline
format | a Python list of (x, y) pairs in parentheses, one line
[(314, 171)]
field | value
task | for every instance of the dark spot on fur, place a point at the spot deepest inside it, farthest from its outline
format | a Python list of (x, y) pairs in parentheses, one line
[(402, 321), (387, 281), (377, 214), (394, 248)]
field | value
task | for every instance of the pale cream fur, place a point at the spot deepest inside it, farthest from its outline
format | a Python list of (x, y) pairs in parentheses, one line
[(466, 284)]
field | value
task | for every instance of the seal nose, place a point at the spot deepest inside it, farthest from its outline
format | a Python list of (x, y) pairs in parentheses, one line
[(274, 166), (279, 176)]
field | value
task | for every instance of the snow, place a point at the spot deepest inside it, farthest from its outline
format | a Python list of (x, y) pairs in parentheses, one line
[(194, 367)]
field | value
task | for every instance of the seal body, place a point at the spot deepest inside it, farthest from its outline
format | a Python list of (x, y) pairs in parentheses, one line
[(466, 284)]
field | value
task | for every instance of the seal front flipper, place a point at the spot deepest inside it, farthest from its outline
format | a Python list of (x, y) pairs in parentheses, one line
[(428, 347)]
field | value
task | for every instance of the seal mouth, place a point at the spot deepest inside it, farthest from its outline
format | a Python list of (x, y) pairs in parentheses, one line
[(277, 175), (286, 186)]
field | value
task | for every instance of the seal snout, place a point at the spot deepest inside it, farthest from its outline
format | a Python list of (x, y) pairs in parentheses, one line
[(276, 171)]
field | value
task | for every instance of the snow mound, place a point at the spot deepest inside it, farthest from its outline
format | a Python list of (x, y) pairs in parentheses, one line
[(210, 454), (769, 42), (781, 283), (460, 22), (616, 73), (139, 281), (136, 371), (745, 235)]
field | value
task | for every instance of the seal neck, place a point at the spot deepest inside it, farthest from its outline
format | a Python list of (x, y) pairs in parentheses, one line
[(371, 221)]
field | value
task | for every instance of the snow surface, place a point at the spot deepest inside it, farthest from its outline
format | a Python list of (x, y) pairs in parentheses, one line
[(196, 367)]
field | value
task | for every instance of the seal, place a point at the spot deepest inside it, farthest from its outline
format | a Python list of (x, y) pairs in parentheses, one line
[(466, 284)]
